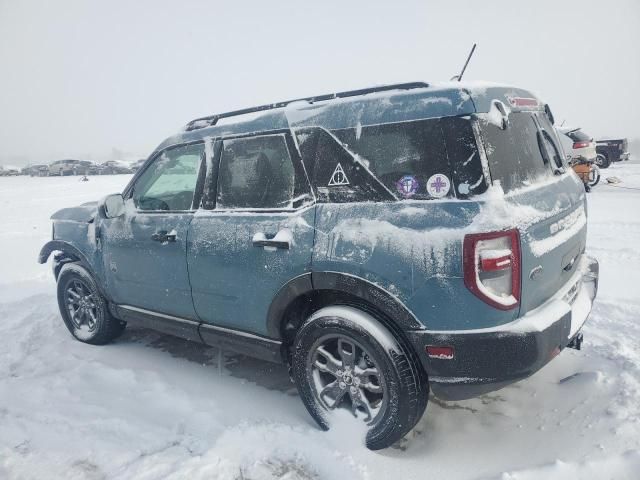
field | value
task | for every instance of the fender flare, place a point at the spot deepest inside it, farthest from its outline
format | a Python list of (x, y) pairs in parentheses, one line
[(352, 285), (76, 254), (66, 247)]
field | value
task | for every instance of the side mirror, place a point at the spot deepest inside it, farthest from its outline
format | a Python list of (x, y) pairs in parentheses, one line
[(112, 205)]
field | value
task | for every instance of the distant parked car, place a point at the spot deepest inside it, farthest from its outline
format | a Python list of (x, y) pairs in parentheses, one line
[(576, 143), (113, 167), (39, 170), (612, 150), (9, 172), (138, 164), (70, 167)]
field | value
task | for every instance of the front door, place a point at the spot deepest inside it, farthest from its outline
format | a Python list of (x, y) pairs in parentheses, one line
[(145, 249), (258, 235)]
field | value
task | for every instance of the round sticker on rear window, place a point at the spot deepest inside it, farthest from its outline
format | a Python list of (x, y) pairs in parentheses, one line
[(438, 185), (407, 186)]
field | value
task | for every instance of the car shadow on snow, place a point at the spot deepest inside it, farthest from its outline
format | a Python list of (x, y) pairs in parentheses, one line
[(271, 376)]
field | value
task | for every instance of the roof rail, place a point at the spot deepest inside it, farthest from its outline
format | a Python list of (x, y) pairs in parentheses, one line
[(211, 120)]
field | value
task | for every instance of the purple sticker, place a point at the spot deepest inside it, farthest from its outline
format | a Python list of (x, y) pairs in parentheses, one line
[(438, 185), (407, 186)]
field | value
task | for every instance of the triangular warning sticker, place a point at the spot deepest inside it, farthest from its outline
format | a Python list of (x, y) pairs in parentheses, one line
[(338, 177)]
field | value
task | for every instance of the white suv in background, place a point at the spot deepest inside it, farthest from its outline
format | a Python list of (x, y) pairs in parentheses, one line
[(577, 143)]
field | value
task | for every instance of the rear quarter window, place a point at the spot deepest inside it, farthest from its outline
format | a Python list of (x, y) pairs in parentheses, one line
[(398, 152), (394, 161)]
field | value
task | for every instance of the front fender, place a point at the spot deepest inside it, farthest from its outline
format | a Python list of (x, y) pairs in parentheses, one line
[(72, 253)]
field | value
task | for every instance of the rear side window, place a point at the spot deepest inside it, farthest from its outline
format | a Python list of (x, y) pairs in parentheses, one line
[(256, 172), (515, 154), (403, 156)]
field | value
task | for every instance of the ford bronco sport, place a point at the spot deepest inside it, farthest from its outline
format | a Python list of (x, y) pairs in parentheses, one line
[(383, 242)]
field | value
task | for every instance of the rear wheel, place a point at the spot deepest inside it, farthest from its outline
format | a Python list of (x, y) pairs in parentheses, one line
[(83, 309), (602, 161), (344, 359), (594, 175)]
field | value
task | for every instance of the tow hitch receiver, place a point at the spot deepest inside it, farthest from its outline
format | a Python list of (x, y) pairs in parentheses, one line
[(576, 342)]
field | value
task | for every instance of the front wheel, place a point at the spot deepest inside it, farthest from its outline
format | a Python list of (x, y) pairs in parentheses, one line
[(83, 309), (345, 359)]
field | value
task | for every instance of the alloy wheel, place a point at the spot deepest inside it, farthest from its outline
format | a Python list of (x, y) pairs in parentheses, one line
[(345, 376), (81, 305)]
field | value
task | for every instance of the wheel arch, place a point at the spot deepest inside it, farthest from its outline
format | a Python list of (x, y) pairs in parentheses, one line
[(69, 253), (302, 296)]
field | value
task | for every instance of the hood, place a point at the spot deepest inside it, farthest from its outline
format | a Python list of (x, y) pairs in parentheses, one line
[(84, 213)]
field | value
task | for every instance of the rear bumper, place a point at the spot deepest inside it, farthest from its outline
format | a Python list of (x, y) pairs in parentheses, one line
[(489, 359), (624, 156)]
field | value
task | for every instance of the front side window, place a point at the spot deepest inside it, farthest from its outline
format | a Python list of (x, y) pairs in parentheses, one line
[(170, 181), (256, 172)]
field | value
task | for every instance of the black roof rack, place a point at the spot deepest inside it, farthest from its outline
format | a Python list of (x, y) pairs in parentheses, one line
[(211, 120)]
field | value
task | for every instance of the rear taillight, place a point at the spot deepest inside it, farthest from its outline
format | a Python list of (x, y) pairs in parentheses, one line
[(492, 267), (580, 144)]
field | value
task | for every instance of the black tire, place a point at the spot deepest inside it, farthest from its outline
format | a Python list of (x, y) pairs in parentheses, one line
[(602, 161), (94, 324), (594, 176), (404, 389)]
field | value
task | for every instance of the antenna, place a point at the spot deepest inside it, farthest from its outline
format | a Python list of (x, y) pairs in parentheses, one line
[(459, 77)]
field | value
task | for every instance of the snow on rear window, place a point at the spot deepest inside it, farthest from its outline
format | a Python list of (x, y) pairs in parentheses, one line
[(514, 154)]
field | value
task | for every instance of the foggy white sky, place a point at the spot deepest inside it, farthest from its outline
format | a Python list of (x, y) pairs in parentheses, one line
[(79, 78)]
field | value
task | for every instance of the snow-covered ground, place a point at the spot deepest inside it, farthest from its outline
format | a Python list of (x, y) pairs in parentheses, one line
[(151, 406)]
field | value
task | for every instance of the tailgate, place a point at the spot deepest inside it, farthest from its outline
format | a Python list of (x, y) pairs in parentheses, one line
[(551, 248)]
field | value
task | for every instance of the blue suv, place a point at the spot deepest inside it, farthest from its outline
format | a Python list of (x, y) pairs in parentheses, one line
[(383, 242)]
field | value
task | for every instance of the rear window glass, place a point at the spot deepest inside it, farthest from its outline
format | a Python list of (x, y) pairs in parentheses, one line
[(515, 155), (579, 136), (403, 156)]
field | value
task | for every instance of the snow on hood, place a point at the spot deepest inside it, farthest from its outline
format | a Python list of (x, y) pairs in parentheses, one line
[(84, 213)]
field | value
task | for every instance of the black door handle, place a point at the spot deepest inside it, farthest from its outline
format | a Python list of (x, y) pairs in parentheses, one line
[(163, 236), (271, 243), (279, 240)]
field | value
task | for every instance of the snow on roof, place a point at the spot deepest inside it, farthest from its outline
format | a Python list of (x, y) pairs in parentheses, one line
[(377, 107)]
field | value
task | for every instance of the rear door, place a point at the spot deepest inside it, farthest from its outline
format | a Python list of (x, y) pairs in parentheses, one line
[(525, 158), (254, 234)]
